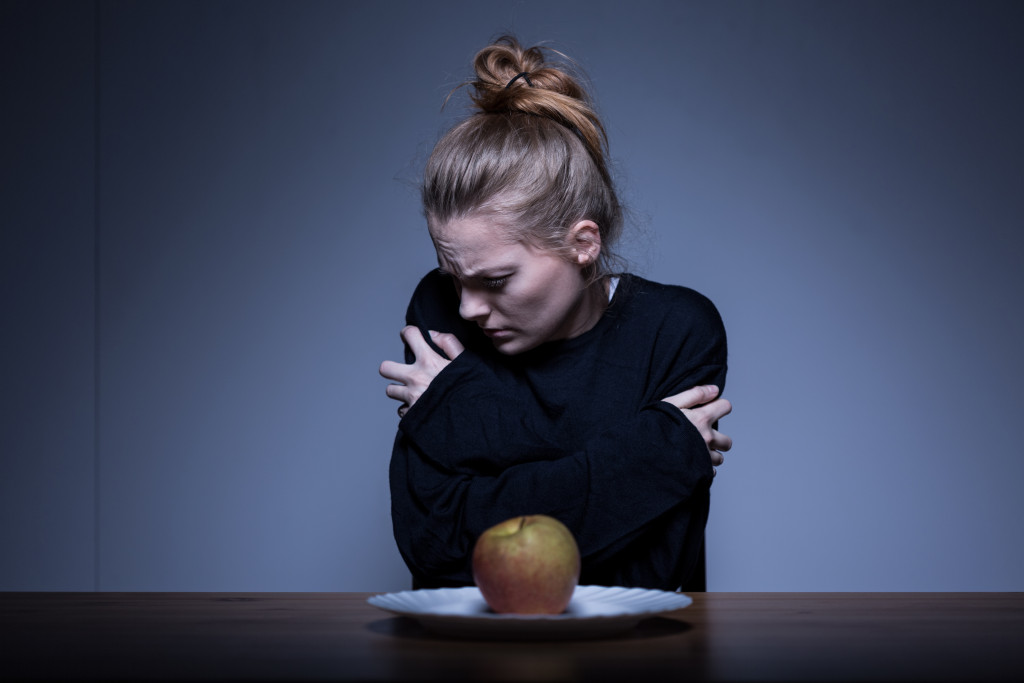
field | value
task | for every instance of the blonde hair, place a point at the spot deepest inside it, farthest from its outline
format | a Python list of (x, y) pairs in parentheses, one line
[(533, 156)]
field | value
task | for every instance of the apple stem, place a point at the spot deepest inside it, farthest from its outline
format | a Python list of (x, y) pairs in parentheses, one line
[(522, 523)]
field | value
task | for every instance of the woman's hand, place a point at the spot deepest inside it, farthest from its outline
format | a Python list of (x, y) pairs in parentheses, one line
[(700, 408), (413, 380)]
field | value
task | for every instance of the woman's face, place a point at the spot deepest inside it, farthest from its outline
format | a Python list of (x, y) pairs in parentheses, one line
[(520, 295)]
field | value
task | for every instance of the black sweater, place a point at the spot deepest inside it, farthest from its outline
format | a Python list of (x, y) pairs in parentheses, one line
[(575, 429)]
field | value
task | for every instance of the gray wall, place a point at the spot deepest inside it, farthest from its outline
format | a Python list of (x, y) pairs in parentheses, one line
[(210, 233)]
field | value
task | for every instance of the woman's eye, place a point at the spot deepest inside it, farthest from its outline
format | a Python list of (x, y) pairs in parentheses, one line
[(495, 282)]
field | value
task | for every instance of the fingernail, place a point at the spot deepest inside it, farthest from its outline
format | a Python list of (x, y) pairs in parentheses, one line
[(433, 334)]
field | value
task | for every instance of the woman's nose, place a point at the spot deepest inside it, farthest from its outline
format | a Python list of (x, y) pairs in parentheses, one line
[(472, 306)]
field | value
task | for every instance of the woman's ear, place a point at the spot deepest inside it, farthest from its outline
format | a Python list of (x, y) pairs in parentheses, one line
[(585, 242)]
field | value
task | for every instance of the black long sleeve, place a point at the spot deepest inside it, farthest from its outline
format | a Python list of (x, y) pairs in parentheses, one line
[(575, 429)]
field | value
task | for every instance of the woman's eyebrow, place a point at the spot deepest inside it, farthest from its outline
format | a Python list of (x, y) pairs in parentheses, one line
[(447, 269), (488, 270)]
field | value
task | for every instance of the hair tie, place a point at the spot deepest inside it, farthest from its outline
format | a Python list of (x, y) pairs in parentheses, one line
[(522, 75)]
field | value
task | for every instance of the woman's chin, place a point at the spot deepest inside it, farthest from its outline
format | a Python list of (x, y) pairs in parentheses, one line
[(511, 345)]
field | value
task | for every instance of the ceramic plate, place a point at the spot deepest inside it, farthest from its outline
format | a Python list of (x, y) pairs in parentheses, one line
[(593, 612)]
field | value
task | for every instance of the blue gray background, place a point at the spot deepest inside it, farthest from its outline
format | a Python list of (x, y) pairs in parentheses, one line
[(211, 230)]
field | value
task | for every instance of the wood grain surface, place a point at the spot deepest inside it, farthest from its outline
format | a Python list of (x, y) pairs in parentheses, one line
[(338, 636)]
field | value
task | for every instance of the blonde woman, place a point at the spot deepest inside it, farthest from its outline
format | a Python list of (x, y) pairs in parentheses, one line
[(538, 379)]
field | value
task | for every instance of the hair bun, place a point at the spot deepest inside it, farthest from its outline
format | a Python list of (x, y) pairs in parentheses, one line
[(511, 78)]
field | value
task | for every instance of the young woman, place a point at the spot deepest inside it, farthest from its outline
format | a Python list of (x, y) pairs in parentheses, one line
[(537, 381)]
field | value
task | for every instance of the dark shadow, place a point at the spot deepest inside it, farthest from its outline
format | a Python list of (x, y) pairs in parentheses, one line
[(402, 627), (660, 627), (410, 629)]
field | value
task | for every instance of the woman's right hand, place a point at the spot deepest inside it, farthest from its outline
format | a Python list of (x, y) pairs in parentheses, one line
[(412, 380), (701, 408)]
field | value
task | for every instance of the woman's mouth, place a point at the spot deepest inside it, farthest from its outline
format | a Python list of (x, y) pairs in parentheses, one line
[(496, 333)]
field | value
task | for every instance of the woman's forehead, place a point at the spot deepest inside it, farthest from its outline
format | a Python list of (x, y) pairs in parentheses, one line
[(468, 246)]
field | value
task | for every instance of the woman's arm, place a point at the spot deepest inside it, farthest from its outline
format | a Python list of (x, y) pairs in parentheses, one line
[(463, 462), (606, 491)]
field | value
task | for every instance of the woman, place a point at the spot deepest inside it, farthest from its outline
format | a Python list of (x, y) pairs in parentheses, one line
[(536, 381)]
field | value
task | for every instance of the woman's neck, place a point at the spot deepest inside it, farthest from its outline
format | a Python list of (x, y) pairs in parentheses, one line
[(593, 303)]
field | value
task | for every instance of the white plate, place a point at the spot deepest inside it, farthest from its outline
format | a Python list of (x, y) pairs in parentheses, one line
[(593, 612)]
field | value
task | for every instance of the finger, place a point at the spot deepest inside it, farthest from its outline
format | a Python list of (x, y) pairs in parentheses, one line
[(412, 336), (717, 459), (694, 396), (709, 413), (399, 392), (389, 369), (448, 342), (719, 409), (720, 442)]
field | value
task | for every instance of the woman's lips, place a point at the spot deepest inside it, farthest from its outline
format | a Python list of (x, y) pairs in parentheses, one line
[(496, 333)]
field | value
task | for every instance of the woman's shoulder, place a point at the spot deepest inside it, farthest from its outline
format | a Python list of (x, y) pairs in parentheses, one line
[(435, 306), (673, 322), (433, 300), (667, 303), (433, 282)]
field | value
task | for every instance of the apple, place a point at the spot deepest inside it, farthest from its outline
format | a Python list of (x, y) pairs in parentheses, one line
[(527, 565)]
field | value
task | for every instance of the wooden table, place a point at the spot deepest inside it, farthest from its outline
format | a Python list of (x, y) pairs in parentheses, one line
[(338, 636)]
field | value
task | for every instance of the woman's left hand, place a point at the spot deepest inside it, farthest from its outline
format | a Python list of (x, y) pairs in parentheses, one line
[(701, 408), (412, 380)]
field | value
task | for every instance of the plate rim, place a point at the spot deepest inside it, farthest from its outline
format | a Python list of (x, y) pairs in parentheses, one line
[(637, 614)]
